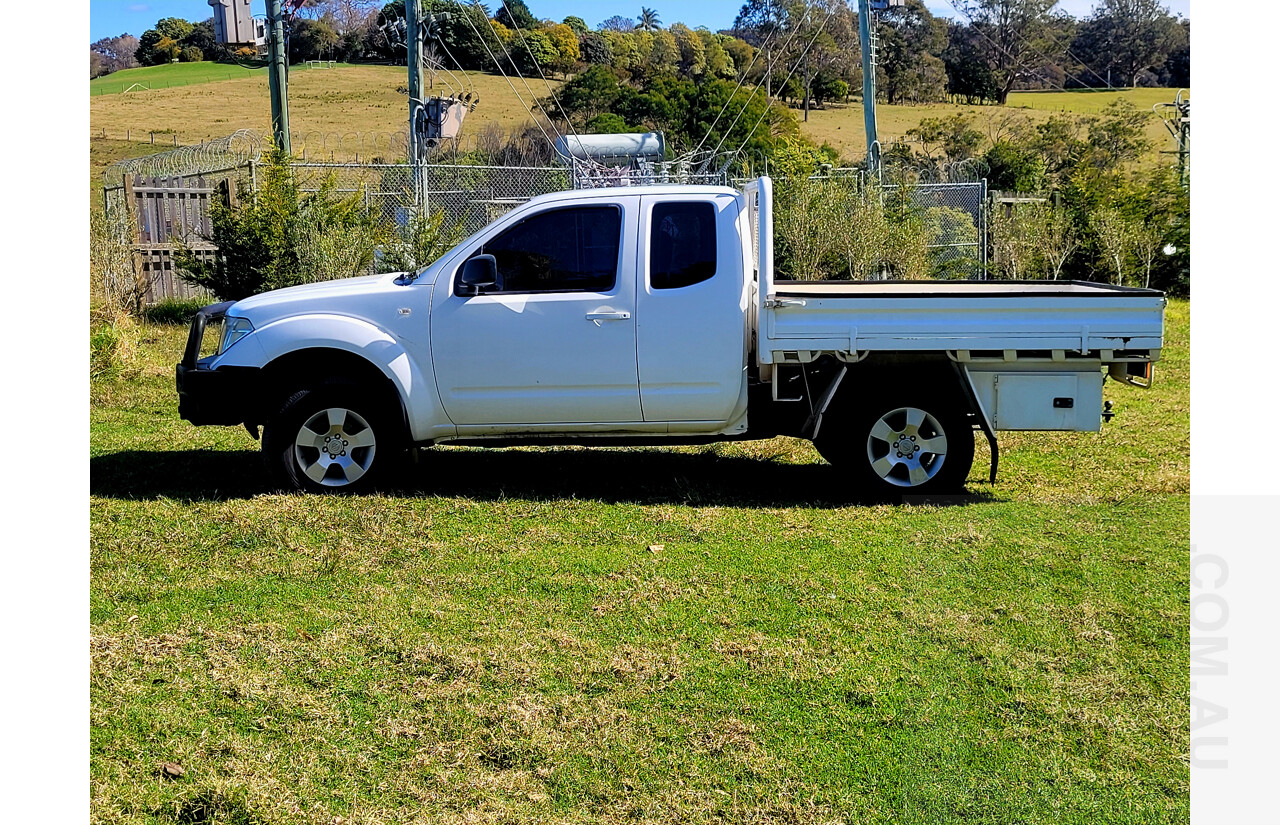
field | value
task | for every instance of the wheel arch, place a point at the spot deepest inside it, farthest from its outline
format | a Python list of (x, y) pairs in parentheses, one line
[(296, 344), (315, 366)]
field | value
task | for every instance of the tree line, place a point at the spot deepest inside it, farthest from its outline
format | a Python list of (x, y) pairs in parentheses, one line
[(811, 52)]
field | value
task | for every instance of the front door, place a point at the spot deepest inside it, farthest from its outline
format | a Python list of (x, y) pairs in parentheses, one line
[(554, 341)]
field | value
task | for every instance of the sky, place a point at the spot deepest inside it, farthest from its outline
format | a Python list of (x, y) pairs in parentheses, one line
[(108, 18)]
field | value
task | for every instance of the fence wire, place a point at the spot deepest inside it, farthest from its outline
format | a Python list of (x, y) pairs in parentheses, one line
[(955, 216), (472, 196)]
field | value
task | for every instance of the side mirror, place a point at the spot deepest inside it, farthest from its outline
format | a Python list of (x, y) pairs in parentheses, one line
[(478, 273)]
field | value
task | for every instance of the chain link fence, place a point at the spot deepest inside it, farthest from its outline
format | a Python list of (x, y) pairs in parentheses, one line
[(472, 196), (955, 217)]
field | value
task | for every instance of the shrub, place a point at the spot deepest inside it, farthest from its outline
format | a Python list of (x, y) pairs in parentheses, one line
[(115, 283), (423, 239), (280, 237), (190, 54), (178, 311)]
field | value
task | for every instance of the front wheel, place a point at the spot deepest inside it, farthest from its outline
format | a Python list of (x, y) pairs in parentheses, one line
[(908, 446), (331, 439)]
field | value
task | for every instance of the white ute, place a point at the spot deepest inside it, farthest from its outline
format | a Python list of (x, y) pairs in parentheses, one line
[(647, 316)]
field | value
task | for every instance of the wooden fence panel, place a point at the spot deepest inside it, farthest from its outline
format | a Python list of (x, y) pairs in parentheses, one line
[(168, 212)]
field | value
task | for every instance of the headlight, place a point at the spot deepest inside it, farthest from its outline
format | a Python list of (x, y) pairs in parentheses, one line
[(233, 330)]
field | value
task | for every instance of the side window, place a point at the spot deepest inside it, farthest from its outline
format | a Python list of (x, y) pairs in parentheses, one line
[(682, 244), (563, 250)]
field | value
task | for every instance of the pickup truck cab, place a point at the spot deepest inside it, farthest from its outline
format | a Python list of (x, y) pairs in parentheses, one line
[(651, 316)]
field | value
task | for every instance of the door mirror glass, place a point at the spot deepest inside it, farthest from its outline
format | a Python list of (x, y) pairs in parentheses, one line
[(478, 274)]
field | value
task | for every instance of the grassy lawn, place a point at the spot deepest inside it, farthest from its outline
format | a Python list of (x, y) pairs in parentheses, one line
[(668, 636)]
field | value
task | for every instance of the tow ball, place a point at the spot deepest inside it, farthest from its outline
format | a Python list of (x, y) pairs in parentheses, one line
[(1107, 412)]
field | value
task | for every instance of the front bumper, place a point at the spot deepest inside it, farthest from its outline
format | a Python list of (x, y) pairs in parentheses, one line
[(228, 395)]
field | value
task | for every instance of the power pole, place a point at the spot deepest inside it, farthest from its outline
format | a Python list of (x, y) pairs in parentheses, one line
[(413, 43), (868, 86), (868, 40), (278, 77)]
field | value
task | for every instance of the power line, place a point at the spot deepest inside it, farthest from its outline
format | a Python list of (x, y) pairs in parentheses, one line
[(803, 54), (769, 71), (516, 69), (503, 72), (536, 65), (741, 79)]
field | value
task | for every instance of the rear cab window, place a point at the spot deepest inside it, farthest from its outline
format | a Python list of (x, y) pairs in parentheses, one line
[(682, 244)]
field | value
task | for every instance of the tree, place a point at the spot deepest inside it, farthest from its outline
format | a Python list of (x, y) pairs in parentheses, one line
[(1128, 36), (693, 55), (202, 37), (1016, 38), (565, 41), (1177, 67), (595, 49), (116, 53), (173, 29), (649, 20), (312, 40), (969, 74), (617, 23), (719, 63), (742, 53), (1014, 167), (1114, 233), (514, 14), (951, 138), (576, 23), (1058, 241), (665, 54), (532, 50), (97, 66), (910, 41)]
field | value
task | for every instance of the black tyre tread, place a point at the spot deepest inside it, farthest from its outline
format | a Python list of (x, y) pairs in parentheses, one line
[(842, 442), (280, 430)]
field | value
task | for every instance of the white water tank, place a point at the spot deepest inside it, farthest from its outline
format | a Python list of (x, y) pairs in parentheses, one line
[(614, 150)]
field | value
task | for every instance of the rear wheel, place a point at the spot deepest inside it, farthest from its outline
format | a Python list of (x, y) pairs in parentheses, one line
[(906, 446), (332, 439)]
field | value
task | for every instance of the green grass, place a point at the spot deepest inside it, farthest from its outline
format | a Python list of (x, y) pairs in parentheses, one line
[(502, 639), (175, 75), (169, 76)]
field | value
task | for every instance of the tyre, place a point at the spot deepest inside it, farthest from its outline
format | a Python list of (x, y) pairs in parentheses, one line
[(904, 446), (331, 439)]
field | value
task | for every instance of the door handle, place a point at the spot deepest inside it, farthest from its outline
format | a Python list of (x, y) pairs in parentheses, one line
[(597, 317)]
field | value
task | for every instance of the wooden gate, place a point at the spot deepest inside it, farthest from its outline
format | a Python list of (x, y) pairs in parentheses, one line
[(168, 212)]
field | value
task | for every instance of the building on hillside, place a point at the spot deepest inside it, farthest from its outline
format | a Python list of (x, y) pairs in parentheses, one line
[(234, 24)]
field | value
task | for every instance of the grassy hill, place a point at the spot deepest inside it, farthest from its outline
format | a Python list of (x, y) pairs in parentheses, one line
[(322, 103), (174, 74), (841, 125), (329, 109)]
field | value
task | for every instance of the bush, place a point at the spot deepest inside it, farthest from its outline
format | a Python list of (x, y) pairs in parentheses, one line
[(280, 237), (177, 311), (190, 54), (113, 344), (423, 240), (115, 283)]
